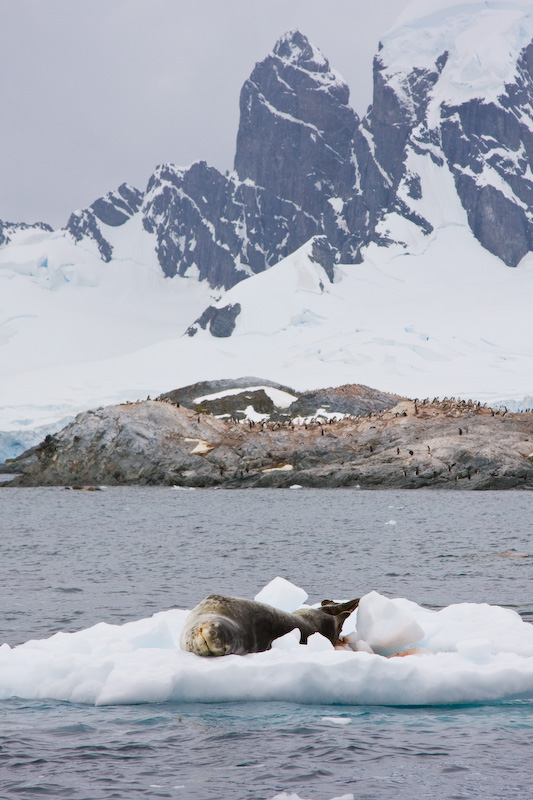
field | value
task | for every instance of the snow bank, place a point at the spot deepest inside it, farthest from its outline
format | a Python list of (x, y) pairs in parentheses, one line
[(473, 653)]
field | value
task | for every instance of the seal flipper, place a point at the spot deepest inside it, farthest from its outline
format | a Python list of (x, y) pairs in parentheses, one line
[(340, 612), (327, 620), (330, 607)]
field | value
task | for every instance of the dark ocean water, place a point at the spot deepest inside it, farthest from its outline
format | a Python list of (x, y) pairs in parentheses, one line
[(71, 559)]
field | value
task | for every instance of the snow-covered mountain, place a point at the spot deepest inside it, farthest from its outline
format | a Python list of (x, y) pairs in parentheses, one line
[(294, 170), (339, 250), (455, 83)]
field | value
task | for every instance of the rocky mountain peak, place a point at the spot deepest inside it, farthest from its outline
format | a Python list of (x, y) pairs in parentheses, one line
[(295, 140), (295, 123), (113, 209), (9, 229), (296, 49)]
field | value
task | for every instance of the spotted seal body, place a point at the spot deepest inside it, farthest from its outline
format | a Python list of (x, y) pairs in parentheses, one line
[(221, 625)]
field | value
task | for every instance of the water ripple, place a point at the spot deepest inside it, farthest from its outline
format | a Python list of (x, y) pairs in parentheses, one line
[(126, 553)]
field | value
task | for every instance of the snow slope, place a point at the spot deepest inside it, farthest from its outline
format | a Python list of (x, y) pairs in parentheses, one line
[(451, 320), (468, 653), (63, 311)]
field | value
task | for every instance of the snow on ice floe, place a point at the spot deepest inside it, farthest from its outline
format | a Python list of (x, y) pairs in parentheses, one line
[(465, 653)]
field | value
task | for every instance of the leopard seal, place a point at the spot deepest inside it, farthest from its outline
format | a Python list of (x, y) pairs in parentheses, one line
[(221, 625)]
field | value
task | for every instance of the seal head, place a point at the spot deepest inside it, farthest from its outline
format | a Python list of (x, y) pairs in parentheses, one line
[(212, 635)]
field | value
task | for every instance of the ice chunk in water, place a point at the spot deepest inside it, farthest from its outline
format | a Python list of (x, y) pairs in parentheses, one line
[(282, 594), (384, 626)]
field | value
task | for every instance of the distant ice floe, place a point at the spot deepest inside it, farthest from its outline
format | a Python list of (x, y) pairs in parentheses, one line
[(465, 653)]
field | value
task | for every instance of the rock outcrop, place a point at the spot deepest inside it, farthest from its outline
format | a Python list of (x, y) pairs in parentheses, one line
[(232, 397), (446, 445), (113, 209), (9, 229)]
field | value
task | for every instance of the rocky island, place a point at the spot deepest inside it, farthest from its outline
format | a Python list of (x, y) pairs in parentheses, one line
[(376, 441)]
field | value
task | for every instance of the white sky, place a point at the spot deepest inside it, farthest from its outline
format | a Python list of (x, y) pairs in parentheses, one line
[(97, 92)]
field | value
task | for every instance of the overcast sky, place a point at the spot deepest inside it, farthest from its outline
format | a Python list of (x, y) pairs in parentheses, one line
[(97, 92)]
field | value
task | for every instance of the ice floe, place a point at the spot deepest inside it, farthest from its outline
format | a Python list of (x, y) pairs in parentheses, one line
[(463, 654)]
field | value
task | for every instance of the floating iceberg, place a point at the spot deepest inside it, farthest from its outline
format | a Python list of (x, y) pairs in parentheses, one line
[(465, 653)]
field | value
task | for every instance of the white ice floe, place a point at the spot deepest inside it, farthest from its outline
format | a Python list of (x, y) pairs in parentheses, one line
[(386, 627), (466, 653)]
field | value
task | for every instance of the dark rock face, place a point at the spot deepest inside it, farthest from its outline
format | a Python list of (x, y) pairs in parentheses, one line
[(487, 146), (492, 217), (391, 121), (324, 254), (481, 138), (221, 227), (83, 225), (221, 321), (296, 128), (192, 214), (114, 209)]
